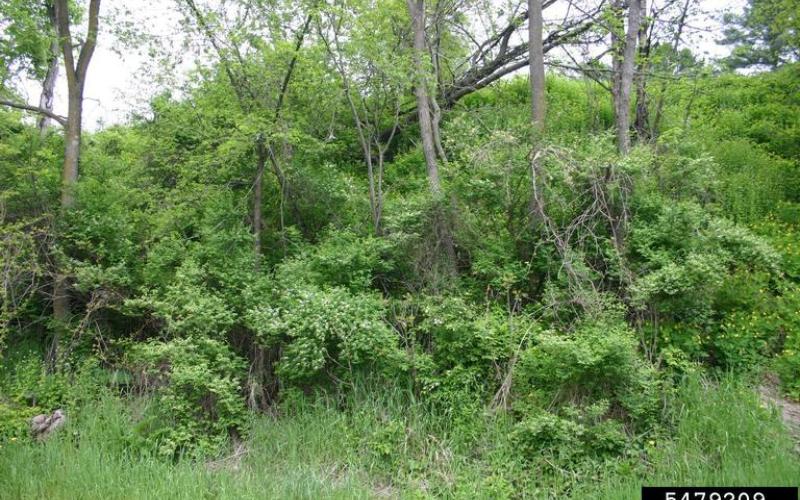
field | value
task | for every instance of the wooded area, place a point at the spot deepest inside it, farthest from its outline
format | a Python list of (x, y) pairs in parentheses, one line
[(403, 248)]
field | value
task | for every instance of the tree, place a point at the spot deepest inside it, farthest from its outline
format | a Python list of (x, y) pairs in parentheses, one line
[(416, 10), (372, 67), (624, 54), (672, 65), (251, 97), (766, 34), (536, 63), (30, 47), (76, 80), (49, 82), (640, 123), (494, 54)]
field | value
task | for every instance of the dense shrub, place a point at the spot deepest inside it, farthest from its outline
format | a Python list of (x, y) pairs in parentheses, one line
[(341, 259), (29, 389), (327, 331), (597, 361), (197, 402)]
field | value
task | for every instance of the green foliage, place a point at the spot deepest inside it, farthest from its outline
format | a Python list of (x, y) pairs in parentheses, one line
[(766, 34), (21, 273), (784, 235), (15, 422), (459, 335), (341, 259), (598, 361), (26, 37), (548, 354), (69, 388), (197, 405), (719, 423), (753, 180), (687, 256), (748, 338), (327, 331), (29, 389), (761, 109), (566, 441), (187, 306), (788, 365), (785, 324)]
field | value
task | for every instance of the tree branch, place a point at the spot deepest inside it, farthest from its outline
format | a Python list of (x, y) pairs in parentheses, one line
[(91, 41), (35, 109), (65, 38)]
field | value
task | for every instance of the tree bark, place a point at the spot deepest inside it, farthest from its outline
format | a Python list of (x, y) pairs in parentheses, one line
[(46, 98), (49, 83), (641, 122), (76, 80), (261, 155), (623, 66), (436, 119), (536, 51), (416, 9)]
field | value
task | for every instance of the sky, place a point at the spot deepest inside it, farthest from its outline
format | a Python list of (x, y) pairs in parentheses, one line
[(120, 80)]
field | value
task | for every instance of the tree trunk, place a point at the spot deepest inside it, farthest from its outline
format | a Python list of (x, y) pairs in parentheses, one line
[(72, 147), (641, 122), (416, 9), (437, 136), (76, 79), (536, 51), (623, 68), (49, 83), (261, 158)]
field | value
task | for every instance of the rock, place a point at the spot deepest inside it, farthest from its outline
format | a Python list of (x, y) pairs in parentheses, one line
[(43, 425)]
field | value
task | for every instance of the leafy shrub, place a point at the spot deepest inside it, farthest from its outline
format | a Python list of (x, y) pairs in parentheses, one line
[(575, 393), (459, 334), (326, 331), (21, 270), (551, 434), (29, 389), (687, 261), (341, 259), (784, 234), (196, 384), (15, 421), (746, 339), (574, 436), (753, 180), (187, 306), (599, 360), (69, 388)]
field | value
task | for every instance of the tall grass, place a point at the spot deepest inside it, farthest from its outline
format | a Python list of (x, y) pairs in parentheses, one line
[(385, 444), (723, 435)]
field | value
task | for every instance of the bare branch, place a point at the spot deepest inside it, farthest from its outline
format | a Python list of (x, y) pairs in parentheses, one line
[(62, 120)]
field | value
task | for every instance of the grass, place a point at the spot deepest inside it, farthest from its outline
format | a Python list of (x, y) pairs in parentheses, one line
[(386, 445), (723, 436)]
